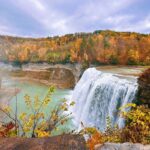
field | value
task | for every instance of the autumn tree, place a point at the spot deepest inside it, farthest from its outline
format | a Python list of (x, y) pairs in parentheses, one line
[(103, 47), (34, 122)]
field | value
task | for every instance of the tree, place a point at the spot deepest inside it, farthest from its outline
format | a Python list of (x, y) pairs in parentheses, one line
[(106, 42), (83, 48), (113, 60), (90, 50), (17, 63), (133, 57)]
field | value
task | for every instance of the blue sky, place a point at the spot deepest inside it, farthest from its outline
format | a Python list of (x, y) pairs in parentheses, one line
[(38, 18)]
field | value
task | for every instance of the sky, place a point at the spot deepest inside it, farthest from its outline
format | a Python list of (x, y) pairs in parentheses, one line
[(42, 18)]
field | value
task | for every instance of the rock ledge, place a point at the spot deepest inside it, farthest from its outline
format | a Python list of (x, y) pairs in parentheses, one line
[(123, 146), (61, 142)]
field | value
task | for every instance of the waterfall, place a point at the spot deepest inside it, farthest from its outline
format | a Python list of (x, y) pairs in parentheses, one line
[(98, 95)]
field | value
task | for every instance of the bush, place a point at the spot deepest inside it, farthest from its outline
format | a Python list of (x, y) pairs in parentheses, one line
[(136, 130), (85, 65), (36, 123)]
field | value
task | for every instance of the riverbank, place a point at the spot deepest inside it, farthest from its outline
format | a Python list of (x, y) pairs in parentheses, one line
[(60, 76), (124, 70)]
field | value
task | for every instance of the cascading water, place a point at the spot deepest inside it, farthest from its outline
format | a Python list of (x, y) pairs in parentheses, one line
[(98, 95)]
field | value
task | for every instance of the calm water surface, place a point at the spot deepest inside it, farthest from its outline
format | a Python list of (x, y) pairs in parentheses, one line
[(36, 89)]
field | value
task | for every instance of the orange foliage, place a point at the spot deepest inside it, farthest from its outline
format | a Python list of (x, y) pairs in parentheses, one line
[(7, 129), (104, 47), (95, 139)]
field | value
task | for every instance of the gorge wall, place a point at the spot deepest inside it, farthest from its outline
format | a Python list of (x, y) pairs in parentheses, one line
[(59, 77), (144, 88)]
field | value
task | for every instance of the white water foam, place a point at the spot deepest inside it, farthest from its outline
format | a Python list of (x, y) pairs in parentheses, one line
[(98, 95)]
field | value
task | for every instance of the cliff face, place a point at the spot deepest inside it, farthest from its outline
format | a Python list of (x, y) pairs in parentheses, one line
[(59, 77), (103, 47), (144, 87)]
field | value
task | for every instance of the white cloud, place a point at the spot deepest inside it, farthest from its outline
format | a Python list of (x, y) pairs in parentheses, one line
[(142, 26), (99, 12), (57, 22), (6, 30), (99, 9), (49, 18), (38, 4), (87, 15), (118, 19)]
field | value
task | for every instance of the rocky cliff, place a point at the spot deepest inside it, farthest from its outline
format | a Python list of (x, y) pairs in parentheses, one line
[(144, 88), (59, 77)]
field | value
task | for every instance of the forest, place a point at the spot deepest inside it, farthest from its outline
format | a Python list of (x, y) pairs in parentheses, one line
[(100, 47)]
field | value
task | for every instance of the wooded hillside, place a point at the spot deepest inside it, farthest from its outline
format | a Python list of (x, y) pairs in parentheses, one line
[(102, 47)]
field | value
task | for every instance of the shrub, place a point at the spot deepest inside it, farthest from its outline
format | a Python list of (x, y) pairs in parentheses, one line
[(85, 65), (94, 136), (36, 123), (136, 130)]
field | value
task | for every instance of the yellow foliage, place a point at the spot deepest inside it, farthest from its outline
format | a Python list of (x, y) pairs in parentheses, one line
[(138, 121), (35, 123), (7, 109), (27, 100), (136, 130), (42, 133)]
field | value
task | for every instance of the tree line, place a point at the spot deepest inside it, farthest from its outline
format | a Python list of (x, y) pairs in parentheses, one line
[(99, 47)]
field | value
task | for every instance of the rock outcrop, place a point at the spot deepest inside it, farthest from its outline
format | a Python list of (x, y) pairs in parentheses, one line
[(62, 142), (59, 77), (124, 146), (144, 88)]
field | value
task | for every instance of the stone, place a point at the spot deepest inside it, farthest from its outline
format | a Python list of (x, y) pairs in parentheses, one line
[(123, 146), (61, 142)]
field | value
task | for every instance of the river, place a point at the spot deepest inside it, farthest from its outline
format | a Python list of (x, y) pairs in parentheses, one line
[(111, 86), (34, 89)]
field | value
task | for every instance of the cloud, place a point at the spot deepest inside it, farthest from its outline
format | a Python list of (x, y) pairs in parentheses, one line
[(142, 26), (93, 14), (57, 17), (117, 19), (49, 18), (5, 29)]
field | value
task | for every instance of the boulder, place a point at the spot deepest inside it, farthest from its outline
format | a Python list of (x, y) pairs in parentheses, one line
[(61, 142), (123, 146)]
